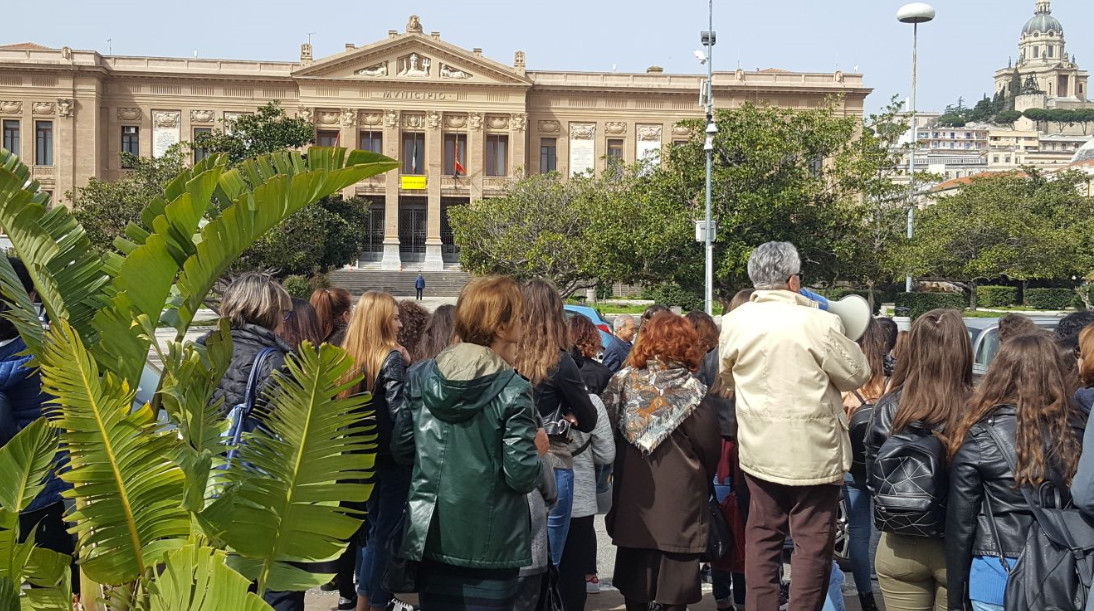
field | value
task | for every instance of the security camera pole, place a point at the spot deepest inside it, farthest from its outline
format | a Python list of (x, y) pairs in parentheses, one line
[(708, 39)]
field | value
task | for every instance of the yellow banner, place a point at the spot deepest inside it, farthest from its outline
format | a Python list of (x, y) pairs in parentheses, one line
[(412, 183)]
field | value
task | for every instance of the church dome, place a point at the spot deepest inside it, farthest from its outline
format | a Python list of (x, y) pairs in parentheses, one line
[(1085, 153), (1043, 22)]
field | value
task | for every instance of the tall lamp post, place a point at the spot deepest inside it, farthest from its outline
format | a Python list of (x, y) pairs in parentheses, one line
[(915, 14), (708, 39)]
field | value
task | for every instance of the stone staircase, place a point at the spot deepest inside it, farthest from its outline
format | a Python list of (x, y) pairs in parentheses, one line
[(399, 284)]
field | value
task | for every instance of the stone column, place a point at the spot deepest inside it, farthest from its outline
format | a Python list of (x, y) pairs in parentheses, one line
[(476, 152), (391, 261), (347, 136), (518, 145), (434, 161)]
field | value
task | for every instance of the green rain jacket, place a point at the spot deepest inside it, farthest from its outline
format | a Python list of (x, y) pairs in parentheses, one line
[(469, 431)]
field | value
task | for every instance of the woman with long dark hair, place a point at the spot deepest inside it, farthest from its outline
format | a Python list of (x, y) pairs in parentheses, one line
[(1026, 401), (439, 333), (301, 325), (930, 388), (333, 308), (558, 391), (666, 441)]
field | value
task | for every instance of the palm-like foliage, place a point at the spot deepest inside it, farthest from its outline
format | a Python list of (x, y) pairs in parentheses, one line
[(144, 519)]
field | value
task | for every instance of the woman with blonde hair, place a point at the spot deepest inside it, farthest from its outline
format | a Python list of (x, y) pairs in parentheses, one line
[(332, 307), (543, 357), (370, 341)]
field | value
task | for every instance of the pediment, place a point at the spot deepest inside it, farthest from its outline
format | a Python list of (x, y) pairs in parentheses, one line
[(413, 58)]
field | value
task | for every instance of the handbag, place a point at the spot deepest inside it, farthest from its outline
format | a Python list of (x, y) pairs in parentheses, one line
[(719, 538), (1056, 566), (401, 575), (734, 561), (550, 596)]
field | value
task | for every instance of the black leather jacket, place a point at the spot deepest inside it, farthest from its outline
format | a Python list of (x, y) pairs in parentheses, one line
[(880, 428), (388, 398), (980, 469)]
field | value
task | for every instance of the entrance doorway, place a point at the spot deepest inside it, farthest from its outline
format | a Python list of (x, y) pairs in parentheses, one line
[(412, 220), (450, 253)]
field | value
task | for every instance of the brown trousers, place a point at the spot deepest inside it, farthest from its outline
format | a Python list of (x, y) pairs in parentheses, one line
[(808, 515)]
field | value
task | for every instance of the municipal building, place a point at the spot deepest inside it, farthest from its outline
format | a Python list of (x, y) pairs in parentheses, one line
[(462, 126)]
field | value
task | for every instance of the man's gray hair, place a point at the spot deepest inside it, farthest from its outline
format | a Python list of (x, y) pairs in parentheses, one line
[(621, 320), (772, 264)]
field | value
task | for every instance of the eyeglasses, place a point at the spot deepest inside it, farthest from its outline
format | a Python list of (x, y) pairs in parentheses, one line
[(288, 315)]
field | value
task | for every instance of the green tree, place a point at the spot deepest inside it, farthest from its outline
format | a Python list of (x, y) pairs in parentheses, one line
[(105, 209), (250, 135), (1007, 116)]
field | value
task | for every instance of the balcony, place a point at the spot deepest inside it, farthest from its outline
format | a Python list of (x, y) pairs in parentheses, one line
[(496, 184), (42, 172), (372, 186), (455, 183)]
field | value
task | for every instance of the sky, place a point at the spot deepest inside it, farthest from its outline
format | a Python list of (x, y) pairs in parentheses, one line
[(958, 52)]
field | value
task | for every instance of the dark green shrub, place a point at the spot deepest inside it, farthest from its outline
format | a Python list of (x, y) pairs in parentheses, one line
[(672, 295), (1050, 299), (297, 286), (996, 296), (918, 304)]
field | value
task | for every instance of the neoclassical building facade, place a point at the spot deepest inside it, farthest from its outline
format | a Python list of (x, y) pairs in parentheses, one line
[(461, 125), (1047, 72)]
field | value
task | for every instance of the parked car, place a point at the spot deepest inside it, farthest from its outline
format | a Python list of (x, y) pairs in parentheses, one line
[(984, 333), (594, 315)]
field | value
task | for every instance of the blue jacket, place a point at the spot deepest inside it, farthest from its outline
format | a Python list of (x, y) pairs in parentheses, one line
[(22, 387), (419, 283), (616, 352)]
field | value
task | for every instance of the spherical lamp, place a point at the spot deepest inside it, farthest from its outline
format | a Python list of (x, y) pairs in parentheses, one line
[(916, 12)]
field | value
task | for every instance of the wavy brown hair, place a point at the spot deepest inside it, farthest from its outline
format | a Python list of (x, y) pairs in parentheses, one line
[(332, 307), (439, 333), (303, 325), (705, 327), (584, 336), (670, 339), (1032, 374), (874, 344), (543, 330), (415, 319), (934, 373)]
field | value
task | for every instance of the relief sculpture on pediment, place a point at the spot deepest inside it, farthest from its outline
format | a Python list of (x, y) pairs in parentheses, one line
[(379, 69), (414, 66), (453, 73)]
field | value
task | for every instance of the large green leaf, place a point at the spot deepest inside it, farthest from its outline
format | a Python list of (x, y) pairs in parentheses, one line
[(197, 579), (264, 192), (282, 503), (67, 270), (120, 463), (24, 464)]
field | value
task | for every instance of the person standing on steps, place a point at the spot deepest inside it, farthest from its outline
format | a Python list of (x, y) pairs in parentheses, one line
[(419, 286)]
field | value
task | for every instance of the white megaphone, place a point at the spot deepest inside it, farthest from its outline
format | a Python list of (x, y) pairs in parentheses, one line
[(853, 310)]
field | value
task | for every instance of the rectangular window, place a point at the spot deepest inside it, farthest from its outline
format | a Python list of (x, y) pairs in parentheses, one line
[(372, 141), (43, 148), (497, 155), (11, 135), (548, 155), (455, 154), (1051, 51), (1036, 52), (131, 144), (200, 154), (615, 149), (326, 137), (413, 153)]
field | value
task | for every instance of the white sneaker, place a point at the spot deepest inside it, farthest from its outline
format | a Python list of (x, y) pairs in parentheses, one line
[(592, 585)]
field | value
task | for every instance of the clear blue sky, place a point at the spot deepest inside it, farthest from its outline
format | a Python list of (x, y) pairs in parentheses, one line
[(959, 52)]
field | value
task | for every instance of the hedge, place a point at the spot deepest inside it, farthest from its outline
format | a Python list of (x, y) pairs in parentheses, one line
[(672, 295), (297, 286), (921, 303), (1050, 299), (996, 296)]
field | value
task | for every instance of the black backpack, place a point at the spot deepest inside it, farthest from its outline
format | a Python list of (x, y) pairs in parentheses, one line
[(858, 426), (1056, 566), (911, 483)]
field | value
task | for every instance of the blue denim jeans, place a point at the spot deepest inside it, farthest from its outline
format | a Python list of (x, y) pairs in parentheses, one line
[(859, 517), (385, 506), (834, 600), (982, 606), (558, 521)]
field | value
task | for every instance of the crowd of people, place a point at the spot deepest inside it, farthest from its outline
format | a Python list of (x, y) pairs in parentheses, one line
[(503, 427)]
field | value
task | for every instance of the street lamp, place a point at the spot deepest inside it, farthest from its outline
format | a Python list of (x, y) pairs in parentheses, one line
[(915, 14), (708, 38)]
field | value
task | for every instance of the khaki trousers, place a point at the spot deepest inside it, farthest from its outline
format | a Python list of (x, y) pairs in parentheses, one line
[(911, 572)]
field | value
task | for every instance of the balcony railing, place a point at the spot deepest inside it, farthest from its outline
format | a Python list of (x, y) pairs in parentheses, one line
[(496, 184), (40, 172), (375, 184), (455, 183)]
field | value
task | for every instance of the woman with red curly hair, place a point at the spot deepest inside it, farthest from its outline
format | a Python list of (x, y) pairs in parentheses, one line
[(666, 440)]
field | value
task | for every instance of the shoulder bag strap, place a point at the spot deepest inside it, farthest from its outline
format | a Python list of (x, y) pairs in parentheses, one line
[(995, 532), (250, 395), (861, 401)]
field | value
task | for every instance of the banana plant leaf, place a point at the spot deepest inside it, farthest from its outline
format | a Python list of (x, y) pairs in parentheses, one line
[(197, 579)]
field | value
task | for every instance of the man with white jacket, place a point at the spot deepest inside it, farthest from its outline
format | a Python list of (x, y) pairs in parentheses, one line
[(788, 362)]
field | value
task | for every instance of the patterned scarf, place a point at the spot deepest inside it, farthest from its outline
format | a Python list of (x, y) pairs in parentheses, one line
[(649, 404)]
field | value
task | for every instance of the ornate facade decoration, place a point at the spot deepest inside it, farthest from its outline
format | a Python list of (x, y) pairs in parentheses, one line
[(497, 122), (739, 75), (306, 53), (414, 26), (475, 120), (372, 118), (66, 53), (349, 117), (549, 126), (207, 116), (649, 133), (615, 128), (166, 118), (42, 108), (433, 119), (455, 73), (680, 130), (518, 60), (65, 107), (582, 131), (391, 118), (414, 66), (129, 114), (11, 107), (518, 121), (413, 120), (379, 69), (455, 121), (327, 117)]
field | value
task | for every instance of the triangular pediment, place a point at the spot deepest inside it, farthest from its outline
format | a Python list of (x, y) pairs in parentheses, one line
[(413, 58)]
